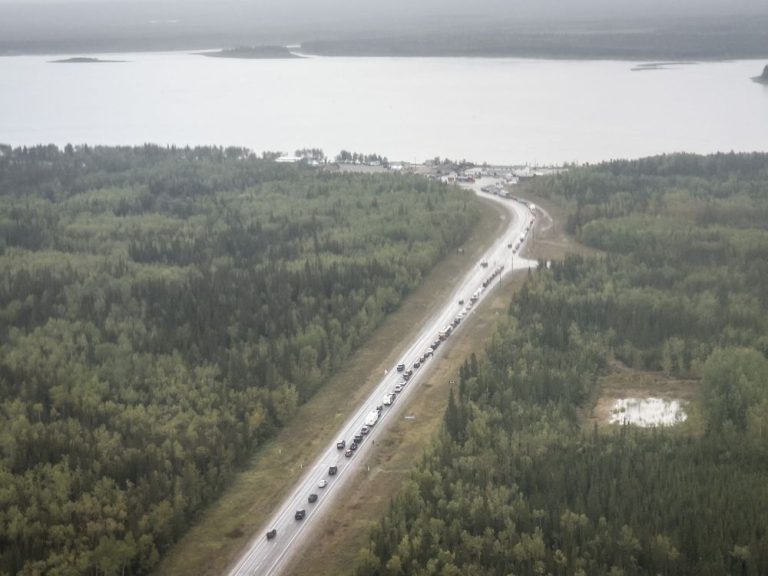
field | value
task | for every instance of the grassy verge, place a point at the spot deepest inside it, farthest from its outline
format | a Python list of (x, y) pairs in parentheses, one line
[(337, 540), (340, 536), (551, 242), (222, 531)]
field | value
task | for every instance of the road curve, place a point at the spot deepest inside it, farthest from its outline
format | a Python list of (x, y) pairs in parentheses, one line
[(267, 557)]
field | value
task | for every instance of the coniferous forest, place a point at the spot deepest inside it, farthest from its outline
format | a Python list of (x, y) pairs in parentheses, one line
[(162, 312), (517, 483)]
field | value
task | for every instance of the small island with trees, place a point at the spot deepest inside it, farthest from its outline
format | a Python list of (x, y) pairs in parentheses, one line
[(253, 52), (84, 60), (763, 78)]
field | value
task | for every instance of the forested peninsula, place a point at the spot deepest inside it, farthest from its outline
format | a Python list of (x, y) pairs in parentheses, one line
[(253, 53), (164, 311), (521, 482)]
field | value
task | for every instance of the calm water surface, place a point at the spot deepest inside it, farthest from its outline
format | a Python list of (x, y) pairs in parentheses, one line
[(494, 110)]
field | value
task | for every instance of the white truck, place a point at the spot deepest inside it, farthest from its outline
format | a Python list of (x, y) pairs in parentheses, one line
[(372, 418)]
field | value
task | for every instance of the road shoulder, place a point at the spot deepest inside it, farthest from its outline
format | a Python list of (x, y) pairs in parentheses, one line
[(228, 524), (334, 543)]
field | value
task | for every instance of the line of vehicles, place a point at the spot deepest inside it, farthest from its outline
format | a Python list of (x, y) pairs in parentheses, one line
[(407, 373), (349, 450), (516, 244)]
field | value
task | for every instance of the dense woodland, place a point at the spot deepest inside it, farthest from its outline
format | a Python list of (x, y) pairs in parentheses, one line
[(516, 483), (162, 312)]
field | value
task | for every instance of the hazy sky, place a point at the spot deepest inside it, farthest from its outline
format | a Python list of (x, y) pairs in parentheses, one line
[(34, 21), (527, 7)]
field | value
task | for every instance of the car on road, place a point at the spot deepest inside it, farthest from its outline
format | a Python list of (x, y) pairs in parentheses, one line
[(398, 388), (358, 440), (389, 399), (349, 453), (353, 446), (484, 263), (332, 470), (461, 302), (417, 364), (364, 430), (341, 444), (400, 367), (312, 498), (271, 534), (300, 514), (323, 483)]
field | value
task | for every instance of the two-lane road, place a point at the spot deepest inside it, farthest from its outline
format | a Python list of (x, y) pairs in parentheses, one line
[(265, 557)]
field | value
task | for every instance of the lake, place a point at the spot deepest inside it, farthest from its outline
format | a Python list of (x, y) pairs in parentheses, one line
[(495, 110)]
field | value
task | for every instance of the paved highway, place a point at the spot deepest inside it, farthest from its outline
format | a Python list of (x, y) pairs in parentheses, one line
[(267, 557)]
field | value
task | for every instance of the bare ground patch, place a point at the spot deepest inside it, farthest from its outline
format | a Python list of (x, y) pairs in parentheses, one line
[(624, 382)]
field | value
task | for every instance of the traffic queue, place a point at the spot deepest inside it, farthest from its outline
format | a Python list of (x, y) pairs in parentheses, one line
[(406, 373)]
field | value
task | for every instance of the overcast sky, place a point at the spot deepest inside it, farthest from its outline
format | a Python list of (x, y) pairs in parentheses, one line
[(32, 21), (530, 7)]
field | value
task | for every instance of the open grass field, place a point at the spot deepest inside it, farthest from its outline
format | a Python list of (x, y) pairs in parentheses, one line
[(222, 531)]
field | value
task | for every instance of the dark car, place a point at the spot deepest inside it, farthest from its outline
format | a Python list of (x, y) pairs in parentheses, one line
[(332, 470), (348, 453), (417, 364), (353, 446), (312, 498), (400, 367), (271, 534), (341, 444), (300, 514), (358, 439)]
